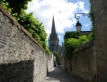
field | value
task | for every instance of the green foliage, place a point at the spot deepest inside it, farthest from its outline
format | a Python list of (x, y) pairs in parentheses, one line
[(72, 35), (47, 50), (17, 5), (83, 39), (91, 35), (70, 44), (74, 40), (56, 55), (36, 28), (5, 5)]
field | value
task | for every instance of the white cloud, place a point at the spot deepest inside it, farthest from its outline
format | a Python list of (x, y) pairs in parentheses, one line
[(60, 9)]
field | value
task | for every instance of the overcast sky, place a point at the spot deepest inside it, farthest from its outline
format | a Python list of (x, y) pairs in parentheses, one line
[(64, 12)]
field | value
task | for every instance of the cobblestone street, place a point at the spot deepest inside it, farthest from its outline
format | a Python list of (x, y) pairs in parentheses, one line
[(59, 75)]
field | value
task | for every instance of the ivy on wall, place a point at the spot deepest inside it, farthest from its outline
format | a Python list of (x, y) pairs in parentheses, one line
[(36, 28), (72, 40)]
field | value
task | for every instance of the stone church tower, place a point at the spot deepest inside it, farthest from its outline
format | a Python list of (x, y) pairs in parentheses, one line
[(53, 39)]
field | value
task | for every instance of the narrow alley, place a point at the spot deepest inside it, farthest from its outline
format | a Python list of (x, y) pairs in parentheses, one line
[(58, 75)]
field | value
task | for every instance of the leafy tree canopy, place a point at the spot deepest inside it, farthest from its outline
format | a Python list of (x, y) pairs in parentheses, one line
[(74, 39), (17, 5), (72, 35), (56, 55), (36, 28), (5, 5)]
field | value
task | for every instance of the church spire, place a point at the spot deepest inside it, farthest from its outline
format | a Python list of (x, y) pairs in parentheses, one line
[(53, 38), (53, 31)]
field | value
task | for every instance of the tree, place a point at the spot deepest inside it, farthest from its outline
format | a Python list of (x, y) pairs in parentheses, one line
[(5, 5), (57, 56), (83, 39), (72, 35), (72, 40), (70, 44), (36, 28), (17, 5)]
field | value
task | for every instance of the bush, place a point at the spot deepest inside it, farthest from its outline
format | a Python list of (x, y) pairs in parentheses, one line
[(72, 40), (31, 24), (57, 56)]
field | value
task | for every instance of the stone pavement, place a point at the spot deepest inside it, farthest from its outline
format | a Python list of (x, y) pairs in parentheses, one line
[(59, 75)]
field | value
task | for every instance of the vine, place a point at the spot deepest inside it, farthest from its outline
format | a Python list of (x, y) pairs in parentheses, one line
[(72, 40), (31, 24)]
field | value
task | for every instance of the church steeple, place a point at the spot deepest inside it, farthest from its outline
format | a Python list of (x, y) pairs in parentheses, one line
[(53, 35), (53, 31), (53, 38)]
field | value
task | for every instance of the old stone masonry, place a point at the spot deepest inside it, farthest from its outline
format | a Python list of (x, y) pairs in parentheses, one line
[(22, 59)]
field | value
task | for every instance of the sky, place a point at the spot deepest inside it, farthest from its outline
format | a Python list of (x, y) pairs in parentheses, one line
[(64, 14)]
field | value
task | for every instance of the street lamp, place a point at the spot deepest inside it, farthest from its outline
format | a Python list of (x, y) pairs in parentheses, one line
[(78, 24)]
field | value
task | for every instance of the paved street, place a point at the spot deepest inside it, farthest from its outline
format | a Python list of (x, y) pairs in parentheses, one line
[(59, 75)]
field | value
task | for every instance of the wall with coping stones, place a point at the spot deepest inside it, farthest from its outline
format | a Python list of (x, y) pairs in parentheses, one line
[(22, 59), (51, 60), (83, 63), (99, 15), (99, 9)]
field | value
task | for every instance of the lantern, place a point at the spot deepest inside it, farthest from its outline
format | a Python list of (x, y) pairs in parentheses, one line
[(78, 26)]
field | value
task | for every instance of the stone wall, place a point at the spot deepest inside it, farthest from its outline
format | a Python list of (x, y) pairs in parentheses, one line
[(51, 60), (17, 72), (99, 9), (83, 63), (22, 59), (62, 62), (93, 61)]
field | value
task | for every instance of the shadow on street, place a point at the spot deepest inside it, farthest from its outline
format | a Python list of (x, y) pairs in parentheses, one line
[(58, 75)]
